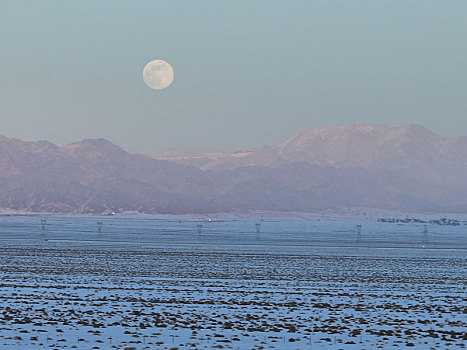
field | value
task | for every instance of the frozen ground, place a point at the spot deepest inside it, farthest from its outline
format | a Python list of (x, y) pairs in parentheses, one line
[(156, 282)]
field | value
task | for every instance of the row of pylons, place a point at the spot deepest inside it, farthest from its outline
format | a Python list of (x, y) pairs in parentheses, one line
[(199, 228), (358, 230), (44, 222)]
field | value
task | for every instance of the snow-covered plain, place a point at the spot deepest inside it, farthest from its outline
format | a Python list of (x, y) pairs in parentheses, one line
[(169, 282)]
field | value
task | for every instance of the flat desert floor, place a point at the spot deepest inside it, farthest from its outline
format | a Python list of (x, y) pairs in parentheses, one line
[(165, 282)]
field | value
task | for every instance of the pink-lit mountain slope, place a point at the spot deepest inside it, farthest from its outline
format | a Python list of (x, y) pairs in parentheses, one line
[(407, 168), (414, 150), (93, 176)]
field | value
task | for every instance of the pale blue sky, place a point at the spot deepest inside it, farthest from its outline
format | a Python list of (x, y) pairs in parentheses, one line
[(247, 73)]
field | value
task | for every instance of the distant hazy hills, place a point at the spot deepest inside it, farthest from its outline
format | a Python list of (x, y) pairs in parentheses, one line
[(405, 168)]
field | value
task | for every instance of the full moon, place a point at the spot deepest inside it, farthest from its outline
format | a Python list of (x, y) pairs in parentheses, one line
[(158, 74)]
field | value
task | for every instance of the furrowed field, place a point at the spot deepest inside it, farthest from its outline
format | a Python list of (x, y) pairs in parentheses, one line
[(164, 282)]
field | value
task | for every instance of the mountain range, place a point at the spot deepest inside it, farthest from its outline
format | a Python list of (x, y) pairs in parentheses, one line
[(408, 168)]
